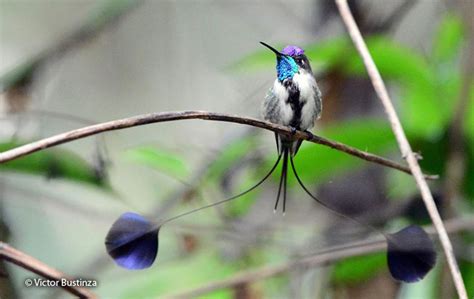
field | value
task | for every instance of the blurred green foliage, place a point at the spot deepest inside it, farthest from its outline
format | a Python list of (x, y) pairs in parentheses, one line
[(428, 86), (358, 269), (53, 163), (448, 39), (231, 154), (159, 159), (467, 271), (316, 163), (184, 274)]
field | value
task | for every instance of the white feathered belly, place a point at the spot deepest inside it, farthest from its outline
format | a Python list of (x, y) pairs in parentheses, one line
[(283, 112), (306, 85), (286, 113)]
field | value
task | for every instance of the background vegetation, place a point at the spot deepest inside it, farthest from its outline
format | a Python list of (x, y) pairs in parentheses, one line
[(114, 59)]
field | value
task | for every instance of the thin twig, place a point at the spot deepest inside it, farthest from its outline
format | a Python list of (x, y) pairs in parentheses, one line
[(327, 256), (144, 119), (403, 143), (29, 263)]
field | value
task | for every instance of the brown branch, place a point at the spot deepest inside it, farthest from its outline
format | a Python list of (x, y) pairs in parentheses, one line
[(403, 143), (29, 263), (325, 257), (144, 119)]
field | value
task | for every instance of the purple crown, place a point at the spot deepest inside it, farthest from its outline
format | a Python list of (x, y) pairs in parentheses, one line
[(292, 51)]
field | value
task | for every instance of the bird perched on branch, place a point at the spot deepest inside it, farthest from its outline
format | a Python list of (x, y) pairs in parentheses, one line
[(294, 100)]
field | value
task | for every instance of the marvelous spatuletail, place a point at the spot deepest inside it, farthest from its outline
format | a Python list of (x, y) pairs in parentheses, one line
[(294, 100)]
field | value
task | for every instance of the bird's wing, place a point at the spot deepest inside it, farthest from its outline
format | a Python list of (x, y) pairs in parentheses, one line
[(271, 108), (318, 107)]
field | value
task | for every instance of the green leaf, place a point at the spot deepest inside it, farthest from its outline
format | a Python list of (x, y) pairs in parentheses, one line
[(159, 159), (428, 110), (433, 150), (420, 111), (328, 54), (315, 162), (241, 206), (448, 39), (466, 264), (230, 154), (358, 269), (469, 122), (53, 163), (394, 62), (467, 270)]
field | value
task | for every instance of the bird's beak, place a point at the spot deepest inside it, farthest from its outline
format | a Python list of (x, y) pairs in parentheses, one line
[(277, 53)]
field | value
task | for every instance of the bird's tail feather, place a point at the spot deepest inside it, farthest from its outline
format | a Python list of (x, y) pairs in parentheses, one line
[(283, 142), (333, 210), (230, 198), (283, 178)]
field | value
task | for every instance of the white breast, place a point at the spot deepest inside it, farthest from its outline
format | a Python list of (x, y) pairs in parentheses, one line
[(306, 84), (286, 113)]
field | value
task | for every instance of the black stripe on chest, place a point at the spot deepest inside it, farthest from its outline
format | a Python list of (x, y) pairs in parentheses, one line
[(294, 101)]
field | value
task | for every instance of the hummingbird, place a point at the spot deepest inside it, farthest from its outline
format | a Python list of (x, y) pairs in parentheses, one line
[(294, 100)]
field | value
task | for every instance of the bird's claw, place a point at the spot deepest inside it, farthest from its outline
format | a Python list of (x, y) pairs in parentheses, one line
[(309, 133), (293, 130)]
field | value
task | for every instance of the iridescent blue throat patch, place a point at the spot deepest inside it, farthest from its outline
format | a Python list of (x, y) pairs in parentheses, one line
[(286, 68)]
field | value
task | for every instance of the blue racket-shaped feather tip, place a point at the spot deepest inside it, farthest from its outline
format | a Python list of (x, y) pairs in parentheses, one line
[(410, 254), (132, 241)]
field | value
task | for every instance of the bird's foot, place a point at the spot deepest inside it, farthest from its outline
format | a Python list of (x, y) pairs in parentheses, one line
[(293, 130), (311, 136)]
